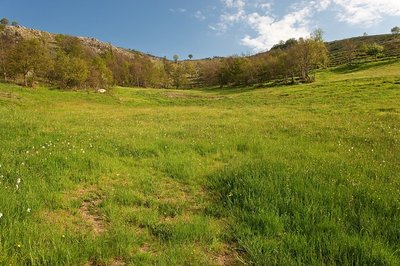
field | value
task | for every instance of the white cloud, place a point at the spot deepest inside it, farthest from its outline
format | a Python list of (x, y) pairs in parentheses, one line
[(239, 4), (179, 10), (299, 21), (199, 15), (366, 12), (270, 31), (234, 11)]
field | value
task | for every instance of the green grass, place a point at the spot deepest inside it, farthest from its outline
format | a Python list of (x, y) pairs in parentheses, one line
[(305, 174)]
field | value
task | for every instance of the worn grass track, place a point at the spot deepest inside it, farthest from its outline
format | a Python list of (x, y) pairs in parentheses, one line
[(305, 174)]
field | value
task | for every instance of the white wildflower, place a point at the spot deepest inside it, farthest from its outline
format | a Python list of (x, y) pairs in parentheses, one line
[(1, 215), (28, 210)]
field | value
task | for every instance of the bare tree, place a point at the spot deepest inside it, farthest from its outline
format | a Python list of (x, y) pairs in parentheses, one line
[(350, 50)]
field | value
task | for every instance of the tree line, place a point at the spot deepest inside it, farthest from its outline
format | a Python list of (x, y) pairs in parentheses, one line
[(69, 64)]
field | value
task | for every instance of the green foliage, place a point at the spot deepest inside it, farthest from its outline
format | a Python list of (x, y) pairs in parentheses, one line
[(100, 66), (285, 45), (374, 49), (99, 75), (395, 30), (318, 35), (71, 46), (176, 58), (30, 59), (70, 72), (4, 21)]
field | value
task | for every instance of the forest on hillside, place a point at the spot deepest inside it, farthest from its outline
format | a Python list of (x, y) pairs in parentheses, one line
[(71, 65)]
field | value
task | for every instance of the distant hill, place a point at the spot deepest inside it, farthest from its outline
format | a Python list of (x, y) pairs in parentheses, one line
[(337, 49), (20, 32), (70, 62), (390, 42)]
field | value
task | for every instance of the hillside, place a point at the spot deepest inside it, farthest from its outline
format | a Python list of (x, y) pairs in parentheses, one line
[(98, 47), (31, 57), (337, 49), (285, 175)]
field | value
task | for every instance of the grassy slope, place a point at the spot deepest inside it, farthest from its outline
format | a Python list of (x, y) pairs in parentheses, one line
[(304, 174), (390, 42)]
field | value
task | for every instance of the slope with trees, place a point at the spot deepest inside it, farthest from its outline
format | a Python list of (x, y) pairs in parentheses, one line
[(29, 56)]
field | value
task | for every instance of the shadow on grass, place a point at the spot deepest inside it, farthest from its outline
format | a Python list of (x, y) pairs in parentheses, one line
[(346, 69), (242, 89)]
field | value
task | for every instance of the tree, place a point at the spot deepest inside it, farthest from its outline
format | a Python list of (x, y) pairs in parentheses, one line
[(350, 50), (5, 51), (100, 76), (311, 54), (209, 72), (190, 56), (374, 49), (30, 58), (4, 21), (70, 72), (395, 30), (318, 35), (176, 58), (71, 45), (14, 23), (285, 45), (179, 78)]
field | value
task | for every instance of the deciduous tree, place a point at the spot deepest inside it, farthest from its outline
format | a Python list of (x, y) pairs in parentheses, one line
[(350, 50), (374, 50), (395, 30), (4, 21), (30, 58)]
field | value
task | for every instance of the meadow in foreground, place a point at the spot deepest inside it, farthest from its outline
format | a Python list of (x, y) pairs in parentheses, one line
[(305, 174)]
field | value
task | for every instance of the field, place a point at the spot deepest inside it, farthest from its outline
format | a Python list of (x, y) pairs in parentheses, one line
[(293, 175)]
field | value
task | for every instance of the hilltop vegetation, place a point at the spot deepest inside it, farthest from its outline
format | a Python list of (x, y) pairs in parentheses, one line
[(355, 50), (31, 57), (71, 62), (305, 175)]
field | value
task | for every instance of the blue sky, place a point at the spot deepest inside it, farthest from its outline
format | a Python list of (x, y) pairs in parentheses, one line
[(204, 28)]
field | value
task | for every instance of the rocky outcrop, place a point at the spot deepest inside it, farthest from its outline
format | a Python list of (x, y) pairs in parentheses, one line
[(19, 32)]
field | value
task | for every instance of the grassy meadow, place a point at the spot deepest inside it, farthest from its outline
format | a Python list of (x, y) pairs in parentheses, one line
[(293, 175)]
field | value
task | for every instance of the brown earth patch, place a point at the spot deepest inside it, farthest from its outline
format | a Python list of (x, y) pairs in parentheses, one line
[(89, 211)]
